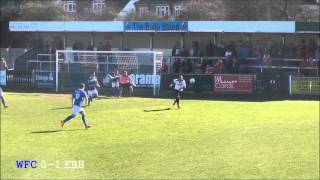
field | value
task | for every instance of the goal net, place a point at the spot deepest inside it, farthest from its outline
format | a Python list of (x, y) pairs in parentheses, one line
[(73, 67)]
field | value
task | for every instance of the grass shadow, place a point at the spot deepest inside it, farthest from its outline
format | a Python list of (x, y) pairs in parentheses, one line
[(60, 108), (156, 110), (53, 131)]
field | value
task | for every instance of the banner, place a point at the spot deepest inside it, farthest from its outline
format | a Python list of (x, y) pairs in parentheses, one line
[(156, 26), (233, 83), (145, 80), (44, 79), (3, 77)]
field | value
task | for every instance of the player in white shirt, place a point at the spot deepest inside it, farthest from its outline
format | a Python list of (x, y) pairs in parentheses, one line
[(178, 85), (93, 84)]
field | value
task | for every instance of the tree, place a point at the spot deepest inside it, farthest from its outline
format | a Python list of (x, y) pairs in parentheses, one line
[(134, 16), (44, 10), (202, 10), (105, 14), (274, 10)]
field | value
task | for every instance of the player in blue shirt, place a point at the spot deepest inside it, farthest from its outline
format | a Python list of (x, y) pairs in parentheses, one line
[(77, 99)]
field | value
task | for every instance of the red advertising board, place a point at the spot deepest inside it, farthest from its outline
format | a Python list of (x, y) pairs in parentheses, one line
[(233, 83)]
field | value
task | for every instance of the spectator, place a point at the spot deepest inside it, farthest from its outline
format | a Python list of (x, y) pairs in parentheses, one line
[(291, 51), (219, 66), (195, 51), (100, 47), (187, 66), (317, 54), (302, 49), (209, 70), (311, 48), (89, 47), (108, 46), (176, 50), (266, 59), (176, 65), (220, 49), (46, 47), (210, 49), (243, 51), (164, 67), (259, 60), (229, 57)]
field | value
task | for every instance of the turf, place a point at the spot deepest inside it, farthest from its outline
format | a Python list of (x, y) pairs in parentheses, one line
[(140, 138)]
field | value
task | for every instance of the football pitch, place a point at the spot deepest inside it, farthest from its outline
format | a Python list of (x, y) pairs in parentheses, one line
[(140, 138)]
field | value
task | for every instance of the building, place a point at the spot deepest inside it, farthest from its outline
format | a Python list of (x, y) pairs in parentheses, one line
[(77, 6), (160, 8)]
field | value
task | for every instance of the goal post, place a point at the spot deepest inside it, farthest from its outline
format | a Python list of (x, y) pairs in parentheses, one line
[(143, 66)]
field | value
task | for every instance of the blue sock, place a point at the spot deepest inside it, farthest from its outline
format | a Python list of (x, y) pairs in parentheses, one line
[(68, 118), (84, 119)]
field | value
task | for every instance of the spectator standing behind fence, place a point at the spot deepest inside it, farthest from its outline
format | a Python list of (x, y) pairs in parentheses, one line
[(317, 54), (107, 46), (266, 59), (187, 66), (195, 50), (178, 52), (89, 47), (210, 49), (228, 56)]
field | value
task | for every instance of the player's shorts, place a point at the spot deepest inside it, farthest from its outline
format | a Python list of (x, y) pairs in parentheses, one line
[(93, 92), (1, 92), (177, 94), (125, 86), (76, 110)]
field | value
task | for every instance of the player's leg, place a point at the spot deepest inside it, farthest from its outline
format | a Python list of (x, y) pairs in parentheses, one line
[(2, 98), (130, 90), (90, 96), (178, 99), (3, 102), (120, 90), (84, 119), (96, 94), (75, 111), (175, 95)]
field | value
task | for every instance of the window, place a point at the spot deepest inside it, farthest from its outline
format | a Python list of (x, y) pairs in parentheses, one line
[(69, 6), (162, 11), (178, 10), (98, 4), (143, 11)]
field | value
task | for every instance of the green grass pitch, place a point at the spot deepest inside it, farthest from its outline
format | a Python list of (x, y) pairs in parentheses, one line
[(204, 139)]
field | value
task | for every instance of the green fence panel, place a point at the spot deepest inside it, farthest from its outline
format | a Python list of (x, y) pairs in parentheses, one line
[(305, 85)]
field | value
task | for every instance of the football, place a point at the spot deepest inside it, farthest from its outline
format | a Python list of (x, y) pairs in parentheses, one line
[(192, 80)]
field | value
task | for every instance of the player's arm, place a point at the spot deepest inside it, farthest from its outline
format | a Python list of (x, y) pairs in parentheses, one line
[(72, 100), (184, 84), (171, 85)]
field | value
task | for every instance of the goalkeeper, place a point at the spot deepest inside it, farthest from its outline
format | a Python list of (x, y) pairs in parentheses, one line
[(126, 83)]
